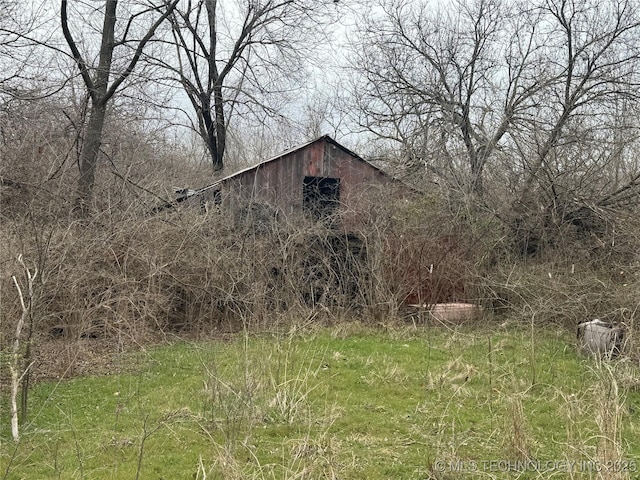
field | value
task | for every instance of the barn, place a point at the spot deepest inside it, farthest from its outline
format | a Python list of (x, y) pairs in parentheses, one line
[(321, 179)]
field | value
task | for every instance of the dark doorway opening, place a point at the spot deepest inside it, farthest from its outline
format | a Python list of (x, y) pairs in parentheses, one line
[(321, 197)]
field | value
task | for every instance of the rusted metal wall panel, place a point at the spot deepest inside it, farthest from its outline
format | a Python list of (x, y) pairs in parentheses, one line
[(279, 182)]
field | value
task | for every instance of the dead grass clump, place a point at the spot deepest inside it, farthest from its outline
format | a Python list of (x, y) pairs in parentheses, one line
[(517, 442), (609, 412)]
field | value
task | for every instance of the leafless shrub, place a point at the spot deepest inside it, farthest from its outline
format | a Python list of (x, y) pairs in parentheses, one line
[(130, 276), (419, 252)]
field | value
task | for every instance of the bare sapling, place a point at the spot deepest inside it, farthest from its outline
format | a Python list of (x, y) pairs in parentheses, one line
[(14, 365)]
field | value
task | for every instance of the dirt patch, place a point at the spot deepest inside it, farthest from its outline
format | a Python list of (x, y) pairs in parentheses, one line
[(66, 358), (56, 359), (60, 358)]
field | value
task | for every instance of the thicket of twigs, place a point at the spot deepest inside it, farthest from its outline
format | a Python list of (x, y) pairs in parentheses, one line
[(183, 270), (188, 270), (129, 273)]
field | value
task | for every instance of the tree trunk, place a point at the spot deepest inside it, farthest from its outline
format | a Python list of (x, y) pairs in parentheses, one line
[(211, 137), (14, 363), (477, 185), (215, 127), (221, 126), (89, 157), (99, 98), (97, 83)]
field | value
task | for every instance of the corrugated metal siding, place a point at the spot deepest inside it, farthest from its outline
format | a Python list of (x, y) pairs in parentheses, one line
[(279, 182)]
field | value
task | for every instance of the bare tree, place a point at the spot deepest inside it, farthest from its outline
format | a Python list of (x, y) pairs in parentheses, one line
[(22, 62), (19, 374), (8, 38), (540, 98), (572, 156), (230, 57), (104, 79), (433, 81), (592, 75)]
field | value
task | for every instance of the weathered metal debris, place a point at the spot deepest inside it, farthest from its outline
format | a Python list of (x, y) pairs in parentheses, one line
[(600, 339)]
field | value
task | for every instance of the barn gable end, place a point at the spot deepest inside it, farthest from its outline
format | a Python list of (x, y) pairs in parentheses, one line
[(318, 178)]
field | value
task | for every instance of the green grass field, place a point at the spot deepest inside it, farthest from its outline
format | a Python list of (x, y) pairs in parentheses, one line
[(341, 402)]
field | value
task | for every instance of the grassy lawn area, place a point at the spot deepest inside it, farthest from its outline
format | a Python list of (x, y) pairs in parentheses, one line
[(344, 402)]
